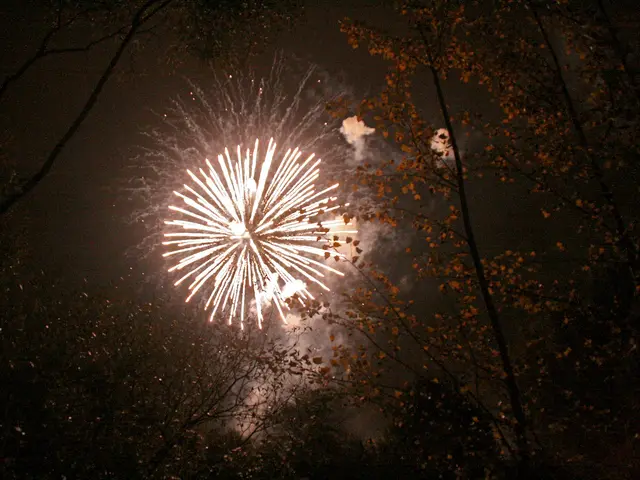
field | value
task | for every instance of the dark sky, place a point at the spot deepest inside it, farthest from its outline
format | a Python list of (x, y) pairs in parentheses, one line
[(77, 221)]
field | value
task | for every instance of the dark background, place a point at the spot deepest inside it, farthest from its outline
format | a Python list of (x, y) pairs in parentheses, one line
[(78, 235)]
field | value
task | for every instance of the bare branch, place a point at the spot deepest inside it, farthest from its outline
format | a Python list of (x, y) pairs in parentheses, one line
[(144, 14)]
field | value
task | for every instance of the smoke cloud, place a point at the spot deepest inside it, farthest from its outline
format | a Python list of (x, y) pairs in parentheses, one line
[(441, 144), (354, 131)]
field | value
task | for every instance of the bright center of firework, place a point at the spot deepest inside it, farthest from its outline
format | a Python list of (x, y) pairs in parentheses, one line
[(238, 229), (251, 186), (248, 232)]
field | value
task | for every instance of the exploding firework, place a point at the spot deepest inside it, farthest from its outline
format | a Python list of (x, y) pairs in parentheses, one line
[(286, 102), (248, 233)]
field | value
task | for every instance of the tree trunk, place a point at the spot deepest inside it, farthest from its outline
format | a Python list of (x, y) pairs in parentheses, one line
[(498, 331)]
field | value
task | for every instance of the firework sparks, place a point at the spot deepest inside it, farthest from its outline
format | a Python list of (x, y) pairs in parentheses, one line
[(247, 231)]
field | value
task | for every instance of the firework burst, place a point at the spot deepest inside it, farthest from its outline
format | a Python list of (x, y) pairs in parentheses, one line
[(248, 231)]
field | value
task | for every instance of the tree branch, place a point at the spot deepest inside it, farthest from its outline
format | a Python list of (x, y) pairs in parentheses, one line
[(142, 16), (496, 325), (624, 241)]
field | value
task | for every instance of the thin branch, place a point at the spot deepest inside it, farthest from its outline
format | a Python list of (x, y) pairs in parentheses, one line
[(88, 46), (43, 50), (617, 44), (29, 62), (438, 363), (621, 229), (143, 15)]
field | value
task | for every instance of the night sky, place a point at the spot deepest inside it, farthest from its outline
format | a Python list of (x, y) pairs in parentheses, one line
[(79, 229)]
